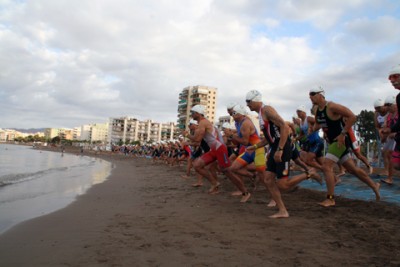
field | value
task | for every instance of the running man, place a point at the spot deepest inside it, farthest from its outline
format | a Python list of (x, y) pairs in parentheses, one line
[(276, 134), (329, 116), (218, 151)]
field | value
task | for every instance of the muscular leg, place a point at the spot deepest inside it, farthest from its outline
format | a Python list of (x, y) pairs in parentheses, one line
[(269, 180), (330, 182), (290, 183), (363, 176), (231, 173), (200, 166)]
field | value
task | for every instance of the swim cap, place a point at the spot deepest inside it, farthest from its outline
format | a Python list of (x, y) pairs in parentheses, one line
[(192, 121), (318, 89), (226, 125), (199, 109), (301, 108), (254, 95), (390, 100), (379, 103), (240, 109), (231, 105), (395, 70)]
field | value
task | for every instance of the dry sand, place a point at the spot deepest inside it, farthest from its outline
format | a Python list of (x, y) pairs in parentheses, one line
[(146, 215)]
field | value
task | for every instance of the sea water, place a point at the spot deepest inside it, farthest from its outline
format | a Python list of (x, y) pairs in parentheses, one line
[(35, 182), (351, 187)]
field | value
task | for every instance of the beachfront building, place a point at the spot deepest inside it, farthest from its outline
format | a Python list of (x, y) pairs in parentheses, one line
[(7, 135), (126, 130), (77, 133), (94, 133), (63, 133), (196, 95), (99, 132)]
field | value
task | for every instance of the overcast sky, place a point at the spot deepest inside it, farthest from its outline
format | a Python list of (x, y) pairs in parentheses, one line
[(65, 63)]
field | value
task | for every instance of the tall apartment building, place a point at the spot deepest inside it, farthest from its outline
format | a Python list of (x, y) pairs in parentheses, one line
[(196, 95), (99, 132), (127, 130)]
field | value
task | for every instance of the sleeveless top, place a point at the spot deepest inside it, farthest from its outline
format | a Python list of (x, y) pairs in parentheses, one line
[(270, 130), (213, 139), (381, 120), (312, 137), (331, 128), (254, 138), (391, 120)]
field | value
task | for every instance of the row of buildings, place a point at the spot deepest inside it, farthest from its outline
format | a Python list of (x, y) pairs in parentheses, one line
[(125, 130)]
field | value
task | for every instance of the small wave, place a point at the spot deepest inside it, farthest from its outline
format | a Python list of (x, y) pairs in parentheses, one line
[(10, 179)]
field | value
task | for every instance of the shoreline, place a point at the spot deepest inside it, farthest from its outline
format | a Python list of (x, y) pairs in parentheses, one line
[(147, 215)]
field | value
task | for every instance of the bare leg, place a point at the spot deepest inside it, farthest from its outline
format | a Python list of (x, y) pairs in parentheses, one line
[(269, 180), (199, 166), (361, 157), (289, 183), (330, 183), (390, 169), (188, 167), (363, 176), (237, 181)]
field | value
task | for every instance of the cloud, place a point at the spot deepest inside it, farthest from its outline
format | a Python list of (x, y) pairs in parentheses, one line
[(67, 63)]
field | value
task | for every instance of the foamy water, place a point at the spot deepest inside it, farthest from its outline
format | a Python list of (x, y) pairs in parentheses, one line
[(35, 183)]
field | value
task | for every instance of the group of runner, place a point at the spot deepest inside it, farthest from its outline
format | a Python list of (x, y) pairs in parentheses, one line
[(272, 166)]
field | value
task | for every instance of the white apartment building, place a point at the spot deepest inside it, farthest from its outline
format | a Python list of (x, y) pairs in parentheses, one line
[(196, 95), (127, 130), (99, 132)]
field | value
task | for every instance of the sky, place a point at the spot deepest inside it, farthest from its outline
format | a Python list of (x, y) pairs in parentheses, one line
[(66, 63)]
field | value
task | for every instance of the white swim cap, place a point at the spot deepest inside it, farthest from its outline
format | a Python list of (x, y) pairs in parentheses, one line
[(379, 103), (301, 108), (194, 122), (226, 125), (390, 100), (199, 109), (231, 105), (240, 109), (395, 70), (318, 89), (254, 95)]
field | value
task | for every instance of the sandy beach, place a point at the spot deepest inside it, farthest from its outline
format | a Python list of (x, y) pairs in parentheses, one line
[(147, 215)]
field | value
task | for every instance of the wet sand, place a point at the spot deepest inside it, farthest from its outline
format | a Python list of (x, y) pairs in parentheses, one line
[(147, 215)]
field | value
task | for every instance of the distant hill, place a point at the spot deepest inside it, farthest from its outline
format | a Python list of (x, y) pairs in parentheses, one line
[(31, 130)]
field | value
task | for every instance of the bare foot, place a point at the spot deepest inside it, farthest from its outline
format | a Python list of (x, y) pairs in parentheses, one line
[(197, 184), (337, 180), (327, 203), (280, 214), (316, 177), (245, 197), (377, 193), (236, 193), (387, 181), (271, 204), (214, 189), (184, 176), (341, 174)]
